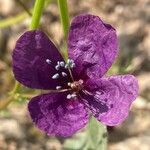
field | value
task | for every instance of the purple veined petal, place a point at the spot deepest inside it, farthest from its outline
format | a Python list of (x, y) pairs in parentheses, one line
[(116, 93), (30, 64), (56, 115), (92, 45)]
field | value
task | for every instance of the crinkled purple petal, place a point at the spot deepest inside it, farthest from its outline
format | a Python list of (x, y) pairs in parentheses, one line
[(29, 61), (92, 44), (115, 94), (56, 115)]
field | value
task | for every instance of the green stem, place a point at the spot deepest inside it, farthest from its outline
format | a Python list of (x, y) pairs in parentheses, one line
[(64, 16), (6, 102), (16, 88), (37, 12), (24, 7), (13, 20), (18, 18)]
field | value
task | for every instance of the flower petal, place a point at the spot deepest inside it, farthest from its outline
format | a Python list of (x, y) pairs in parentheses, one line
[(29, 60), (92, 44), (116, 93), (56, 115)]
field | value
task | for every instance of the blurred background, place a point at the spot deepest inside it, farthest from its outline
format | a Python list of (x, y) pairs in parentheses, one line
[(131, 18)]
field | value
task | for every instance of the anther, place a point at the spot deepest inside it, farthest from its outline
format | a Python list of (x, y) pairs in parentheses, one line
[(57, 67), (72, 65), (69, 96), (58, 87), (70, 61), (55, 76), (62, 63), (69, 84), (64, 74), (66, 66), (58, 63), (73, 96), (48, 61)]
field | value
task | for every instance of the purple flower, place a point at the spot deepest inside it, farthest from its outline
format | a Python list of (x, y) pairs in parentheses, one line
[(75, 86)]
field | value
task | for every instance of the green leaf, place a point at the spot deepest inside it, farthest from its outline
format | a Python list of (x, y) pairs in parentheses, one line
[(77, 142), (93, 138), (97, 135)]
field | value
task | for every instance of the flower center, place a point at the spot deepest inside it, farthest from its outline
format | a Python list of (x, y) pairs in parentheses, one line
[(76, 86), (61, 68)]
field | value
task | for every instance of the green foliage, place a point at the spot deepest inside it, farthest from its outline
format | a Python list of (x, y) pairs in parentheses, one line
[(77, 142), (94, 138), (13, 20), (97, 135)]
